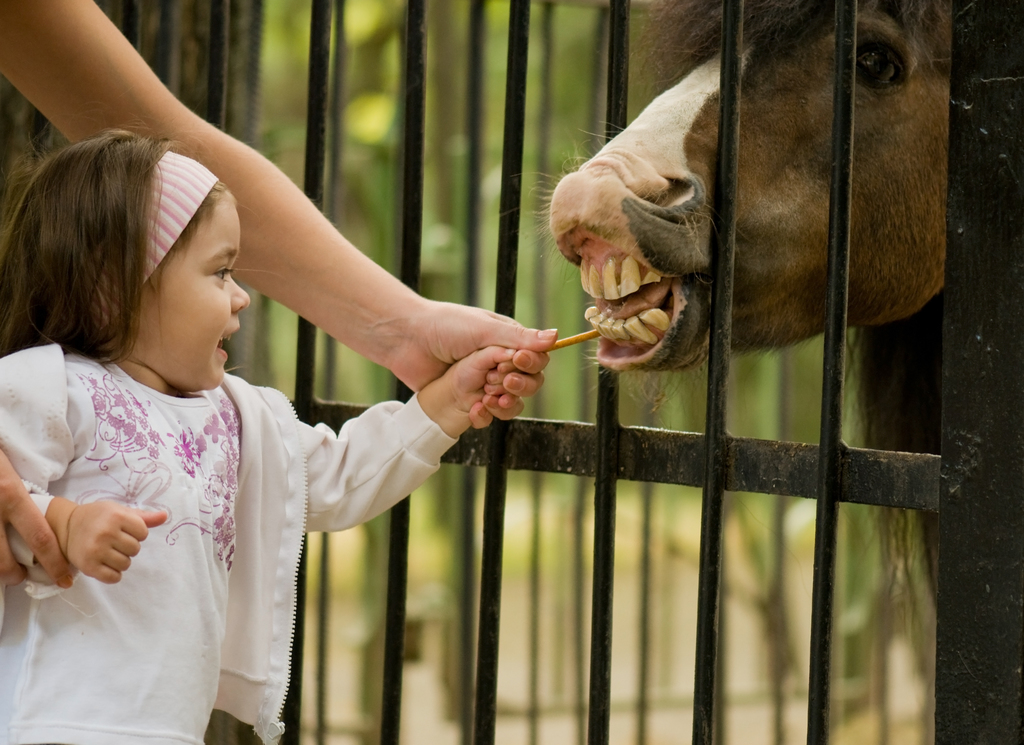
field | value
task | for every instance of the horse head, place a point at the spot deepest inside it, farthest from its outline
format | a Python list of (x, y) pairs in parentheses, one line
[(637, 217)]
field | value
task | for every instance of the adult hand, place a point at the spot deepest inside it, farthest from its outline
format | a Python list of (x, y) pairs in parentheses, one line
[(18, 510), (438, 334)]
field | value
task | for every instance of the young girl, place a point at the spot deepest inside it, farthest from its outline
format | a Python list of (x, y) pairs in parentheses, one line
[(115, 297)]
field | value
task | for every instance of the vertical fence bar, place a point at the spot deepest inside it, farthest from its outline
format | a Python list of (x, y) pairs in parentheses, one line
[(322, 626), (596, 111), (607, 432), (830, 476), (978, 686), (411, 227), (335, 181), (305, 362), (644, 642), (41, 132), (578, 600), (716, 439), (168, 44), (131, 21), (540, 290), (217, 74), (332, 209), (253, 83), (504, 303), (467, 538), (778, 626)]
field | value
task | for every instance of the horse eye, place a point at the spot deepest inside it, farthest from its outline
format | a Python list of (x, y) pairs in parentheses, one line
[(879, 64)]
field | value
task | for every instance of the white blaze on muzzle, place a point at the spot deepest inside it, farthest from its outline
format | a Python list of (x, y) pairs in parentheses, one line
[(650, 152)]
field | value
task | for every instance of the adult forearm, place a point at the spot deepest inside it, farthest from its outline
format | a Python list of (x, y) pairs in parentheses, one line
[(77, 68), (69, 60)]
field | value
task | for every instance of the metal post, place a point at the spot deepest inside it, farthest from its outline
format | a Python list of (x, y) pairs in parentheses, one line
[(716, 438), (504, 303), (410, 242), (305, 363), (978, 687), (607, 432), (832, 448), (334, 185), (131, 21), (168, 45), (217, 81), (467, 533)]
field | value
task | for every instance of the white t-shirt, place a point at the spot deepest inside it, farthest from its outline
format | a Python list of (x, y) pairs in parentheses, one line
[(152, 642), (163, 637)]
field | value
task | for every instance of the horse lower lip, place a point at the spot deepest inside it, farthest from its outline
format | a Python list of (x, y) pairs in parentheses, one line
[(627, 354)]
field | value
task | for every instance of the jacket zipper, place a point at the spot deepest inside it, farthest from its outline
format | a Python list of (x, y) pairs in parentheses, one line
[(295, 578)]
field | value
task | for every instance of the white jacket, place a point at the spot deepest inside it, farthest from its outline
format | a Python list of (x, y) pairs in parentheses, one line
[(292, 478)]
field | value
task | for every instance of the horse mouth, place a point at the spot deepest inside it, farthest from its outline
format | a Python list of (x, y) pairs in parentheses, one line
[(638, 311)]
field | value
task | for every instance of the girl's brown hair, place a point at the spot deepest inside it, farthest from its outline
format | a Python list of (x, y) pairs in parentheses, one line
[(73, 246)]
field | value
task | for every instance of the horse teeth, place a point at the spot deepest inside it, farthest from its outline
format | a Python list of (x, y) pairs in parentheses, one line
[(619, 329), (651, 276), (637, 329), (594, 282), (591, 312), (657, 318), (611, 286), (607, 328), (630, 280)]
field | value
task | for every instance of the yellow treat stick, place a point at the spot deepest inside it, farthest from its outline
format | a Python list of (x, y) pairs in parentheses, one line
[(570, 340)]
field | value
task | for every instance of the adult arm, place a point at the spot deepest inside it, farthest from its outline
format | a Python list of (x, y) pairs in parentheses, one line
[(18, 510), (74, 65)]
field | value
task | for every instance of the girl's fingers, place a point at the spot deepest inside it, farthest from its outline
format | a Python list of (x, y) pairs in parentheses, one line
[(105, 574), (479, 416), (126, 544), (117, 561), (137, 523), (509, 407), (519, 384), (530, 362)]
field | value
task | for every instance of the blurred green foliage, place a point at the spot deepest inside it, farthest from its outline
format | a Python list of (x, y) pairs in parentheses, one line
[(548, 295)]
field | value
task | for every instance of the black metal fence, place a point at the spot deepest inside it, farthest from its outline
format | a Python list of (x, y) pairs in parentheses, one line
[(977, 486)]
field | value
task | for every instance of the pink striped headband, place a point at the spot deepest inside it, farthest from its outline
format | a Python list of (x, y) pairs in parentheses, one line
[(179, 187)]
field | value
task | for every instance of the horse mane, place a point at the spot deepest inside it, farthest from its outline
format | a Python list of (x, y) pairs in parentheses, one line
[(681, 34), (898, 371)]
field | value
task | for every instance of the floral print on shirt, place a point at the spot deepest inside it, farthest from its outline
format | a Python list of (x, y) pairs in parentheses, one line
[(208, 461)]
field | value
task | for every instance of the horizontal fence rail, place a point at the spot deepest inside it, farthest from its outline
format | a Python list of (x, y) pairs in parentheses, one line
[(881, 478), (980, 603)]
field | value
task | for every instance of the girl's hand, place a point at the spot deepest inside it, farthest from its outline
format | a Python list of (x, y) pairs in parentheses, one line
[(506, 385), (456, 400), (100, 538), (448, 332)]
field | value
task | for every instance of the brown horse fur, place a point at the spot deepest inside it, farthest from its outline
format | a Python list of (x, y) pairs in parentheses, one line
[(898, 201), (898, 231), (682, 33), (897, 364)]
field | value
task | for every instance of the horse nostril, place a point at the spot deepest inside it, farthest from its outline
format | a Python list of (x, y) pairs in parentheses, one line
[(679, 192)]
